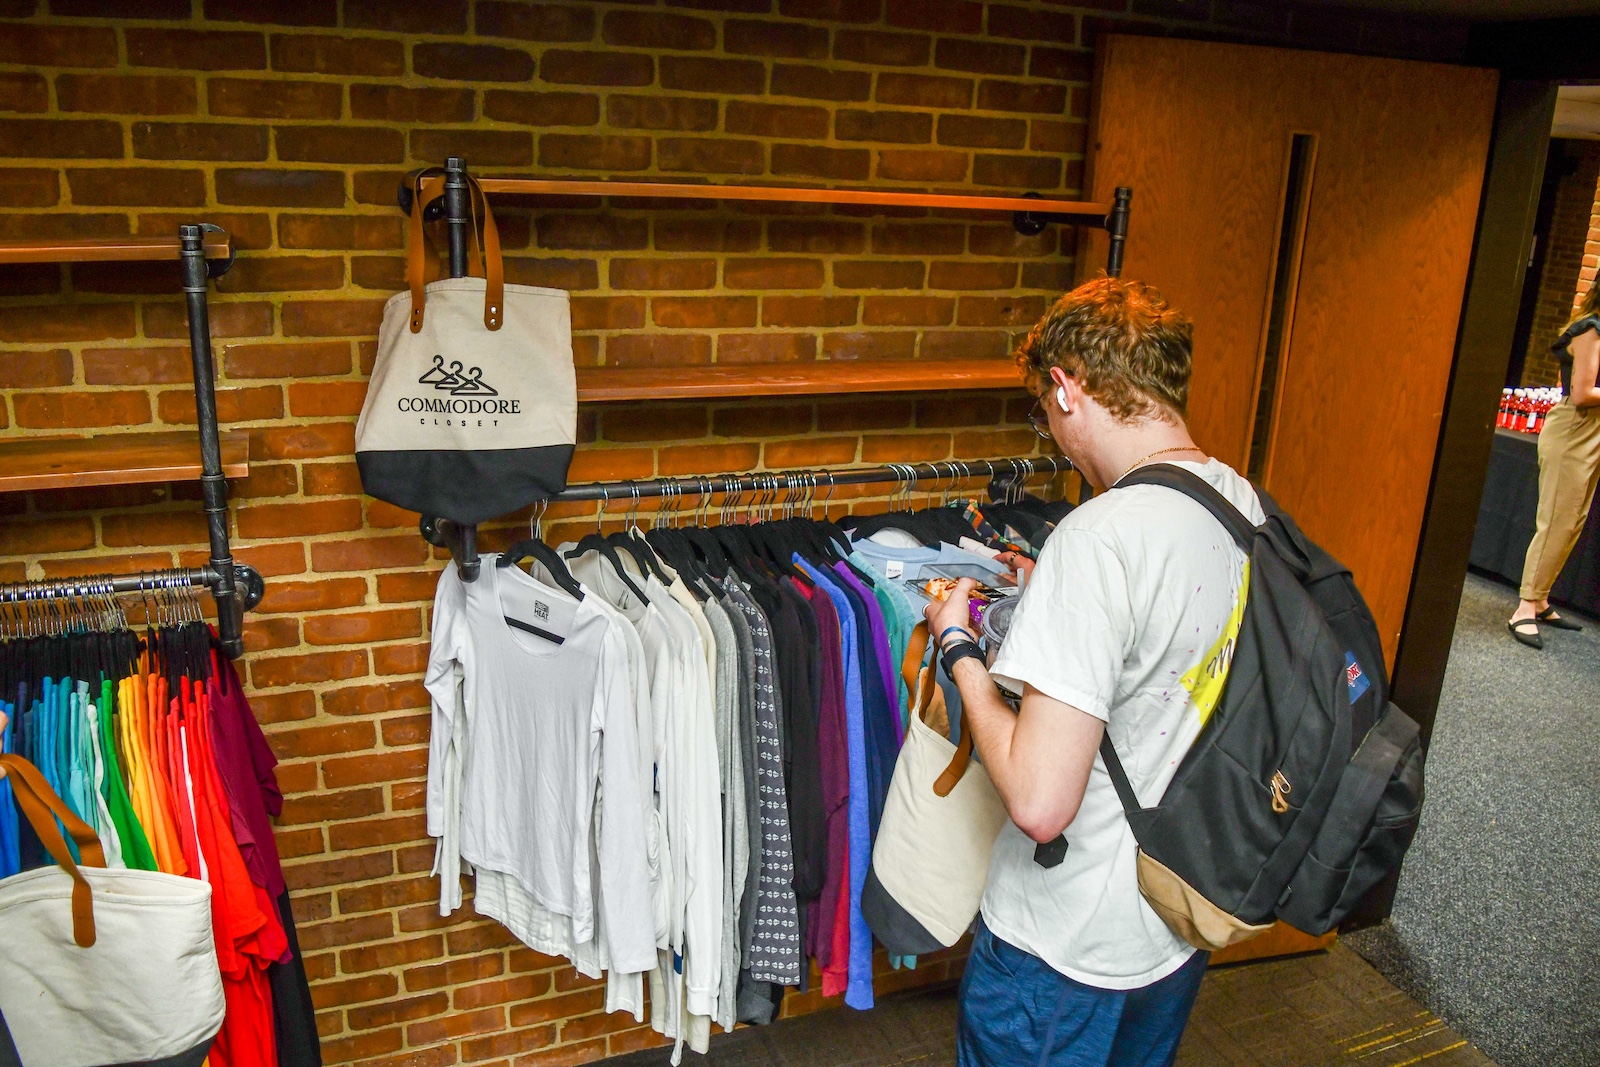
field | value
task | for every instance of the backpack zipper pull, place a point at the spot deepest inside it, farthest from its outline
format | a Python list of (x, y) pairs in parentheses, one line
[(1280, 788)]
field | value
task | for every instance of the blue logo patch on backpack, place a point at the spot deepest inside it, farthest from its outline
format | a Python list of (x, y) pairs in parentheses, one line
[(1358, 681)]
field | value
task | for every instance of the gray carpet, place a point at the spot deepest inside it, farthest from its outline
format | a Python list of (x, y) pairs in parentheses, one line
[(1497, 924)]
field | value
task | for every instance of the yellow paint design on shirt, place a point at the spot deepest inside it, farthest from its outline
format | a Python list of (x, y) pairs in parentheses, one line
[(1204, 681)]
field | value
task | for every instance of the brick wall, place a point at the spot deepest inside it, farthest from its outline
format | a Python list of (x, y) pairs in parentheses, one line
[(290, 122), (1569, 257)]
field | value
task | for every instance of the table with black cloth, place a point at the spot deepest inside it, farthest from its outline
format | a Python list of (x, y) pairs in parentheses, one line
[(1506, 522)]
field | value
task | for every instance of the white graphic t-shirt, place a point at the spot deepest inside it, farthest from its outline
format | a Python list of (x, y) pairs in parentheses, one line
[(1130, 616)]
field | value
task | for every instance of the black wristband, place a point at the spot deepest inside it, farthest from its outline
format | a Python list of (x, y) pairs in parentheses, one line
[(956, 653)]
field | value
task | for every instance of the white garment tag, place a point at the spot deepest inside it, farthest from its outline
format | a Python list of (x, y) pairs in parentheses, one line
[(977, 548), (894, 568)]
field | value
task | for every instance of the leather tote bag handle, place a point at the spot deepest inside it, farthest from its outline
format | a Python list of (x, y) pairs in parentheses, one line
[(921, 685), (38, 803), (487, 261)]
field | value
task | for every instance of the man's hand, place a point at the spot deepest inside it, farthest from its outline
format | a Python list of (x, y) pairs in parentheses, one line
[(954, 610), (1020, 566)]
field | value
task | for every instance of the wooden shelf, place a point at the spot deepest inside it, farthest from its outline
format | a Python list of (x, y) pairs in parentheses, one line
[(118, 459), (610, 384), (1093, 212), (104, 249)]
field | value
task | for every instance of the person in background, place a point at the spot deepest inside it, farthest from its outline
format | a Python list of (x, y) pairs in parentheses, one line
[(1119, 631), (1569, 462)]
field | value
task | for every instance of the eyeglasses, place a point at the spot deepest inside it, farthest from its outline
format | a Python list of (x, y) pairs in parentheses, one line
[(1040, 420)]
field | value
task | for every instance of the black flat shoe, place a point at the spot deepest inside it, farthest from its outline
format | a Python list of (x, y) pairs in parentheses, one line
[(1549, 617), (1532, 640)]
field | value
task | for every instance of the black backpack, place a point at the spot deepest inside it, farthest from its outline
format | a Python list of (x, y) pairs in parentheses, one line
[(1304, 787)]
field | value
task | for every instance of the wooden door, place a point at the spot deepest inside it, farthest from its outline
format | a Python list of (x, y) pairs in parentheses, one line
[(1203, 134), (1369, 285)]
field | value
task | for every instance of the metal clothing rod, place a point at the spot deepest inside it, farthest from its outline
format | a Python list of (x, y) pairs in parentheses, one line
[(243, 583), (906, 473)]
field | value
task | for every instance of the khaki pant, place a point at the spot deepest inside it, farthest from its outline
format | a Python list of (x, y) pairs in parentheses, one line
[(1569, 461)]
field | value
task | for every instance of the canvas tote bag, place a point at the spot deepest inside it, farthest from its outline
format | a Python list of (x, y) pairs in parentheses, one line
[(102, 967), (940, 821), (472, 407)]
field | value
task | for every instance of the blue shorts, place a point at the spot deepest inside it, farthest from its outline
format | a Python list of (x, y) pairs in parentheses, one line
[(1017, 1010)]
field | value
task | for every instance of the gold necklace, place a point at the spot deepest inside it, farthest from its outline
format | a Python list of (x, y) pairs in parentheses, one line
[(1159, 452)]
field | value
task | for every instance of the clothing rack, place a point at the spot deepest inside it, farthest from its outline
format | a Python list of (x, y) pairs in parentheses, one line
[(1030, 214), (205, 252), (1014, 470), (247, 584)]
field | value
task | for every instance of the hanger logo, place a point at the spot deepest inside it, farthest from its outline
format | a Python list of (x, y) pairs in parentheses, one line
[(469, 394), (454, 382)]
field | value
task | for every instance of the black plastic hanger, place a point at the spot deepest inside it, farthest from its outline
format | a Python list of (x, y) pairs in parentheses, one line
[(609, 551), (536, 549)]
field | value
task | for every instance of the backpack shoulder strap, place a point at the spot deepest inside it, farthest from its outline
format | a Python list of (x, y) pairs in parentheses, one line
[(1201, 492)]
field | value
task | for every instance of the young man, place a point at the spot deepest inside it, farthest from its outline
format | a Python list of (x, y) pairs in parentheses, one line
[(1124, 627)]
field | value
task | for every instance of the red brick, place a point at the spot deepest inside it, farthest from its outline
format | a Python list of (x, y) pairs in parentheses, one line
[(1062, 64), (1006, 242), (387, 516), (606, 464), (500, 991), (301, 597), (979, 57), (575, 274), (1022, 96), (311, 359), (905, 448), (895, 127), (380, 767), (971, 131), (776, 120), (542, 109), (457, 1024), (831, 10), (230, 142), (1057, 277), (339, 144), (284, 707), (1002, 311), (589, 152), (513, 1042), (60, 138), (1010, 442), (562, 1007), (878, 274), (355, 991), (323, 806), (692, 312), (339, 232), (657, 422), (707, 235), (233, 405), (125, 9), (35, 538), (658, 30), (308, 670), (696, 73), (277, 12), (944, 274), (125, 94), (607, 312), (710, 155), (702, 459), (562, 67), (84, 322), (196, 49), (362, 627), (345, 931), (945, 16), (765, 347), (256, 98), (471, 62), (767, 38), (404, 588), (267, 480), (657, 350), (80, 409), (341, 871), (765, 420), (326, 398), (331, 479), (919, 238), (453, 973), (387, 894), (58, 46), (505, 148), (280, 188), (810, 452), (809, 310), (821, 83), (332, 318), (881, 345), (31, 187), (1028, 24), (368, 553), (299, 520), (540, 22), (907, 310), (564, 1056), (441, 16), (924, 90), (882, 49), (304, 442), (369, 833), (375, 699), (922, 165), (661, 112), (772, 273), (331, 54), (663, 273), (1017, 172), (41, 370), (271, 560)]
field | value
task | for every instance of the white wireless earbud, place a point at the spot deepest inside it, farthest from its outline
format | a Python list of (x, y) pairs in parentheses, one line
[(1061, 399)]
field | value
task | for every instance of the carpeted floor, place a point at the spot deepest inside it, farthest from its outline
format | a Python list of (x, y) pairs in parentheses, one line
[(1321, 1010), (1497, 923)]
